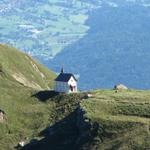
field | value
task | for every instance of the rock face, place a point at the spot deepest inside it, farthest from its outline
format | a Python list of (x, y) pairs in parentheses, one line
[(120, 87), (2, 115)]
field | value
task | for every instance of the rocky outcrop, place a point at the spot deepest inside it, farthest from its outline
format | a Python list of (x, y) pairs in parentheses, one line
[(2, 115), (25, 82), (88, 131), (120, 87)]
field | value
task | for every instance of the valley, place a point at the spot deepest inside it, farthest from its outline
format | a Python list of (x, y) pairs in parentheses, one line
[(111, 37)]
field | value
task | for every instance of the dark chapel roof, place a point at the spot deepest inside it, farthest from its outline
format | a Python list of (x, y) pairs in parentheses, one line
[(64, 77)]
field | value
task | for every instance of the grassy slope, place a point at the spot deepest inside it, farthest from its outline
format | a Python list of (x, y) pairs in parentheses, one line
[(15, 62), (124, 118), (113, 121), (25, 116)]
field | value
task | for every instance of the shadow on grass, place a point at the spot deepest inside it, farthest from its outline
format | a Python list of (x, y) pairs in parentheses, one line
[(70, 133), (45, 95), (61, 136)]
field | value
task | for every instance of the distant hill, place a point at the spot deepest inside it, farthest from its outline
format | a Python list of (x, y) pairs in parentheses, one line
[(106, 42), (43, 28), (115, 49)]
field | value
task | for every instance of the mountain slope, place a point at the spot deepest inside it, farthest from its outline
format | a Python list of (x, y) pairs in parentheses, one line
[(23, 69), (114, 50), (20, 78), (43, 28), (113, 35)]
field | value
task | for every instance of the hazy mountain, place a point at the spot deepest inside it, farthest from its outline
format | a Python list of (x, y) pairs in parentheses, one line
[(115, 49), (105, 42)]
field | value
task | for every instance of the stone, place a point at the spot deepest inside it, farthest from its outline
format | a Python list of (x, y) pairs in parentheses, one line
[(21, 144), (120, 87), (2, 115), (88, 96)]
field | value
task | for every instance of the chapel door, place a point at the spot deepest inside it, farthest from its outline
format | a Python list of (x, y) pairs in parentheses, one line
[(71, 88)]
